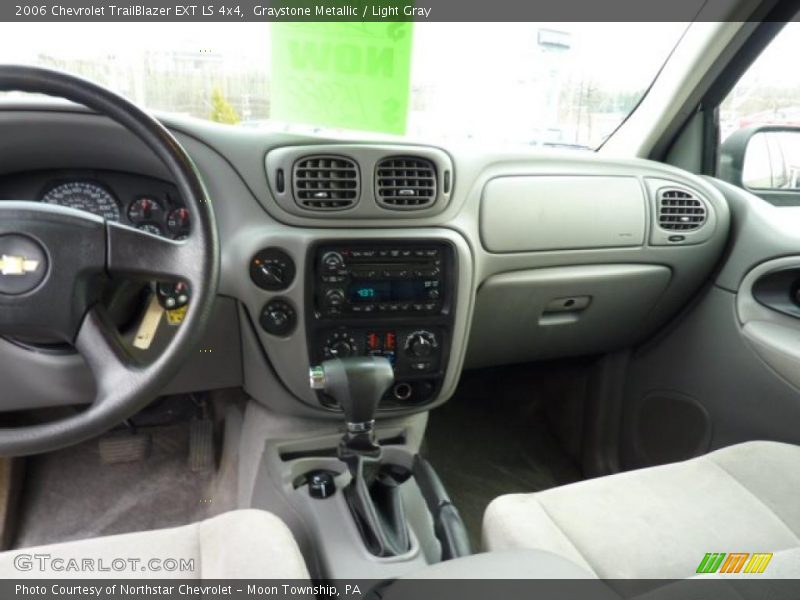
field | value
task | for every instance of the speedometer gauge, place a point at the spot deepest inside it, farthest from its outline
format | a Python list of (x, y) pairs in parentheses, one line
[(86, 196)]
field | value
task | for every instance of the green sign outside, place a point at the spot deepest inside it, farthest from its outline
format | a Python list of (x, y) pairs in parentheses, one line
[(346, 75)]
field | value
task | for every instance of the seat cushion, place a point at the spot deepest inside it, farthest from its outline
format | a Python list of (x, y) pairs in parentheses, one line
[(252, 544), (659, 522)]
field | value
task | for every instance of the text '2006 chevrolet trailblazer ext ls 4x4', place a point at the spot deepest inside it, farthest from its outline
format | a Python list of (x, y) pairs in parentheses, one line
[(452, 305)]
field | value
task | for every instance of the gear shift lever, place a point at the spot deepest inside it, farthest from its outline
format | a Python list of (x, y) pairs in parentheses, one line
[(357, 384)]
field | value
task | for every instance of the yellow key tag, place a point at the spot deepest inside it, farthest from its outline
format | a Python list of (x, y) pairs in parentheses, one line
[(175, 316), (149, 325)]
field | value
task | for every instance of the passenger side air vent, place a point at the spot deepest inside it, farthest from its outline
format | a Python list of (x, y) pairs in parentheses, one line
[(405, 183), (325, 182), (680, 210)]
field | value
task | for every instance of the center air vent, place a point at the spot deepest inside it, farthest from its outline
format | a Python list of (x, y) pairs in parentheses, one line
[(405, 183), (680, 210), (325, 182)]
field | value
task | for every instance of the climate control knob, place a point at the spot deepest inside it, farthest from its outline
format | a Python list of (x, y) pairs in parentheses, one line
[(341, 349), (421, 344), (340, 344)]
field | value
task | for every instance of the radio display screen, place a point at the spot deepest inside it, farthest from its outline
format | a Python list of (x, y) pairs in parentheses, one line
[(389, 291)]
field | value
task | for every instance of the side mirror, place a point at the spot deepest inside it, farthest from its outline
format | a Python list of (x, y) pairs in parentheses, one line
[(765, 160)]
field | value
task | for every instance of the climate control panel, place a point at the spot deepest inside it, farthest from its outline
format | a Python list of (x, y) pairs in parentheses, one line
[(387, 298)]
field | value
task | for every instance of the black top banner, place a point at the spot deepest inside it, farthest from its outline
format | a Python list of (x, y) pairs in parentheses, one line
[(385, 10)]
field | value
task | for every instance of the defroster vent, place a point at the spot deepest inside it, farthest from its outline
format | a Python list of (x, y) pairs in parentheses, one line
[(405, 182), (326, 182), (680, 210)]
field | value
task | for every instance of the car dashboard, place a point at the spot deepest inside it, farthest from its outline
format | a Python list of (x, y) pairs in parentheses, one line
[(438, 258)]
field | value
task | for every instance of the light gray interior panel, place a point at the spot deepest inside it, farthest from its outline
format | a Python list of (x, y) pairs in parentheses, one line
[(726, 372), (564, 311), (520, 214), (289, 355), (775, 336)]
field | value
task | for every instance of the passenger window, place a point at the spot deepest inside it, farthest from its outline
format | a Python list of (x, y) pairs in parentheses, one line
[(759, 125), (769, 91)]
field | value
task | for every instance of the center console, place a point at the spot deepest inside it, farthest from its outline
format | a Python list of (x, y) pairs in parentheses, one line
[(389, 298)]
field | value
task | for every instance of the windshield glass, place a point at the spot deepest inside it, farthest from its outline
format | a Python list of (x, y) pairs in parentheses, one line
[(565, 84)]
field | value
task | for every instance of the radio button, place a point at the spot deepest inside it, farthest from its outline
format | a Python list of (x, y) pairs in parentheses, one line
[(334, 298), (421, 366), (332, 261)]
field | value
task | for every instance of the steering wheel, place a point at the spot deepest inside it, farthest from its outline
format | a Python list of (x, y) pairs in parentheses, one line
[(54, 260)]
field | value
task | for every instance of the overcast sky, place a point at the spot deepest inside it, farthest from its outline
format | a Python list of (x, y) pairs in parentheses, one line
[(607, 49)]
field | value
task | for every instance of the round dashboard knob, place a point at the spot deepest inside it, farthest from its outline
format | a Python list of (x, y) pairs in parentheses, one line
[(341, 349), (273, 274), (421, 344), (332, 261), (272, 269), (334, 297), (278, 317)]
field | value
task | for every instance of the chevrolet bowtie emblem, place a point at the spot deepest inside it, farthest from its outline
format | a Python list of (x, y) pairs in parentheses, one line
[(17, 265)]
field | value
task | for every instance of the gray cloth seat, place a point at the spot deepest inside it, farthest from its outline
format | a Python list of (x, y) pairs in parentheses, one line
[(658, 523), (241, 544)]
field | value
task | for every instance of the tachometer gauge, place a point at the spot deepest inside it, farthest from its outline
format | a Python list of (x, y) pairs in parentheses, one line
[(145, 209), (86, 196)]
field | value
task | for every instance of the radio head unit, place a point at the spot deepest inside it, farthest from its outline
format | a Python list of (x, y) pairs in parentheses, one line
[(391, 279)]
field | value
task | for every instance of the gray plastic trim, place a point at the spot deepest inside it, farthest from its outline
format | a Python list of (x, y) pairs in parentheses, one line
[(521, 214), (773, 335), (289, 356), (599, 308)]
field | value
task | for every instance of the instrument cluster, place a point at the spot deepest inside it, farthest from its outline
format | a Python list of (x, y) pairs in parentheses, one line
[(139, 201), (156, 213)]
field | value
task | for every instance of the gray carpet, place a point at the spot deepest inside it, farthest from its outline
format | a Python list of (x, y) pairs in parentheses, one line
[(71, 494), (495, 436)]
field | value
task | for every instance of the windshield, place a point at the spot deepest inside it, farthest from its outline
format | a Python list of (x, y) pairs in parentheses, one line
[(565, 84)]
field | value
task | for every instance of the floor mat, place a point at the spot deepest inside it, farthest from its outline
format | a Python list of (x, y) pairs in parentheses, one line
[(71, 494), (493, 437)]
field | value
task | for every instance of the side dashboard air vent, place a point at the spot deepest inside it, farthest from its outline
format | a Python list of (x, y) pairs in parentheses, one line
[(405, 183), (325, 182), (680, 210)]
